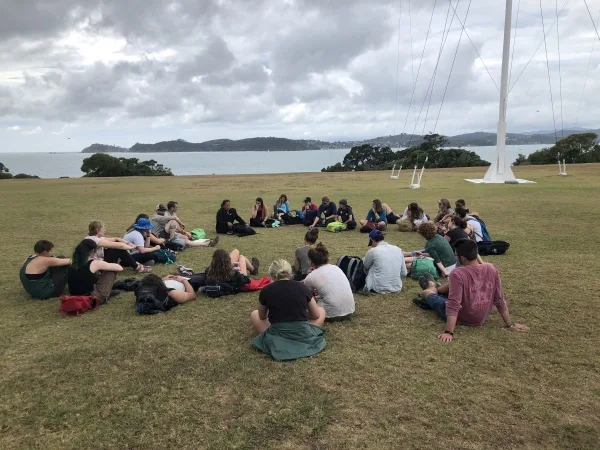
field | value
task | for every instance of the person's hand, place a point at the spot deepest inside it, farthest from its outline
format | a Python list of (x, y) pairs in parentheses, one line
[(445, 337), (519, 327), (156, 247), (418, 254), (179, 278), (229, 224)]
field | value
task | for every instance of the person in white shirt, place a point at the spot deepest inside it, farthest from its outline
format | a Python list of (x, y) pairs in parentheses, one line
[(329, 285), (412, 217), (384, 265), (473, 225), (139, 237)]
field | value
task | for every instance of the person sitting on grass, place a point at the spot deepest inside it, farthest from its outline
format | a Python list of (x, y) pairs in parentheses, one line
[(112, 249), (436, 247), (326, 214), (376, 218), (91, 276), (259, 213), (288, 320), (474, 289), (460, 203), (329, 284), (175, 226), (412, 217), (281, 208), (139, 237), (444, 210), (42, 275), (456, 231), (310, 211), (301, 260), (154, 240), (226, 217), (171, 291), (232, 268), (165, 226), (384, 265), (346, 215), (473, 225)]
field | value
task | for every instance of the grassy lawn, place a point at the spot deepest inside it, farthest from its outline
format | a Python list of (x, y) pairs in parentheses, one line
[(189, 379)]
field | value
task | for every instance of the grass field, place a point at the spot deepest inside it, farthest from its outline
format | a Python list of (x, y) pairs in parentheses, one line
[(189, 379)]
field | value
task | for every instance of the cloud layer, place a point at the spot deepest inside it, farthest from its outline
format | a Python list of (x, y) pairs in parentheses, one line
[(142, 70)]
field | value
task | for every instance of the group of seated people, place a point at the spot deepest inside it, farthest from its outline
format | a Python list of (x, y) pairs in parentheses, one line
[(302, 295)]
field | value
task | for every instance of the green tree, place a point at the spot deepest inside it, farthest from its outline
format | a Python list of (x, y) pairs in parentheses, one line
[(104, 165), (3, 168), (367, 157), (574, 149)]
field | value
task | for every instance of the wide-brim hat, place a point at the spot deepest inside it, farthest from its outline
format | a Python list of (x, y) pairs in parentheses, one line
[(143, 224), (161, 207)]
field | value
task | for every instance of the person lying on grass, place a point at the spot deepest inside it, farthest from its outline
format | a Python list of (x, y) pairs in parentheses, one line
[(165, 225), (384, 265), (436, 247), (288, 320), (91, 276), (171, 291), (42, 275), (329, 285), (474, 289)]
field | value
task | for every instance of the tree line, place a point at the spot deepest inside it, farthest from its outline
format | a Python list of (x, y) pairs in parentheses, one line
[(574, 149)]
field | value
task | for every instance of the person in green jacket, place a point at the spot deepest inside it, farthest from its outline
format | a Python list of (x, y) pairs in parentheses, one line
[(436, 247), (44, 276)]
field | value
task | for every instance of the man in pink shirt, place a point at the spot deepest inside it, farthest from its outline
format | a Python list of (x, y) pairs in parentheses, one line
[(474, 289)]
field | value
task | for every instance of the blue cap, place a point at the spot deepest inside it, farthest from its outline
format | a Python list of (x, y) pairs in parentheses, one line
[(375, 235), (143, 224)]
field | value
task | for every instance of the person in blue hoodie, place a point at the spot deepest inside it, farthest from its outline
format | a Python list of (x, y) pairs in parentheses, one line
[(281, 208), (376, 218)]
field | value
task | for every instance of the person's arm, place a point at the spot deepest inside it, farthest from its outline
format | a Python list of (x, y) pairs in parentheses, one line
[(453, 306), (98, 265), (262, 312), (239, 219), (265, 213), (368, 261), (112, 243), (371, 216), (331, 212), (182, 297), (222, 218), (442, 269), (403, 270), (57, 262), (313, 309), (254, 211)]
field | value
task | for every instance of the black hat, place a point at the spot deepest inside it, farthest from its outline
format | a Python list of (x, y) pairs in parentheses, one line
[(308, 200), (343, 202), (161, 207)]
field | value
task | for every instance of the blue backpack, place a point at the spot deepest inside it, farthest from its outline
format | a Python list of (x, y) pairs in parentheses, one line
[(485, 235)]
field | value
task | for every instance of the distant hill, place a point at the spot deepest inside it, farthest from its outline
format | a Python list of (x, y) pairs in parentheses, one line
[(478, 139)]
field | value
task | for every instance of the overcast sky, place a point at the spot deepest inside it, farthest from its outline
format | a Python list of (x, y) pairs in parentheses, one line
[(75, 72)]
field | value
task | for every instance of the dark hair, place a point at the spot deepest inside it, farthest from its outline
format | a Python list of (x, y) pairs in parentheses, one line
[(461, 212), (260, 200), (220, 268), (159, 289), (414, 212), (318, 254), (311, 236), (444, 205), (224, 201), (460, 202), (81, 254), (140, 216), (428, 230), (466, 248), (325, 199), (43, 246), (377, 203), (171, 204), (459, 222), (284, 196)]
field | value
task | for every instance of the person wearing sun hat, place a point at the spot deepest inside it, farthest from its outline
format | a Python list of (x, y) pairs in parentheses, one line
[(384, 265), (140, 238)]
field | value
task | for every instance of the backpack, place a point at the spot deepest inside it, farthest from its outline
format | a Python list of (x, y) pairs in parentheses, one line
[(77, 304), (198, 233), (243, 230), (164, 256), (148, 304), (354, 269), (485, 235), (173, 246), (216, 289), (487, 248), (421, 266), (336, 227), (128, 284)]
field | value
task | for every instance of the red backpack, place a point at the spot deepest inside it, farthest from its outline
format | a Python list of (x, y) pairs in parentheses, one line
[(77, 304)]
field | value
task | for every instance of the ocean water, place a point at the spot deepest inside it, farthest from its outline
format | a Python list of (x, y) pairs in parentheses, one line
[(55, 165)]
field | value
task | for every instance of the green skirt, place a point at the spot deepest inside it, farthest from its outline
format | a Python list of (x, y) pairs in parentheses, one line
[(290, 340)]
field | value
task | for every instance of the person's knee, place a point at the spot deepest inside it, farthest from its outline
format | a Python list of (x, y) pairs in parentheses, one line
[(382, 226), (429, 291)]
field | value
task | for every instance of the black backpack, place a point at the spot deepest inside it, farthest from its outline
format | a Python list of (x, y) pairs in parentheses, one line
[(217, 289), (147, 304), (243, 230), (354, 269), (488, 248), (170, 245)]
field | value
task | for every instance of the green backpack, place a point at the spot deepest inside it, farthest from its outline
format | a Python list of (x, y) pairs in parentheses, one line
[(198, 233), (421, 266), (336, 227)]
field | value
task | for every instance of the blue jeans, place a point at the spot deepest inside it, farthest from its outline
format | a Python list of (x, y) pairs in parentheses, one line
[(437, 302)]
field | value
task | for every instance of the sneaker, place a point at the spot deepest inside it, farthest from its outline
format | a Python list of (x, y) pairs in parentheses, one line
[(230, 233), (255, 264), (421, 303), (114, 293), (424, 280), (214, 241), (150, 263)]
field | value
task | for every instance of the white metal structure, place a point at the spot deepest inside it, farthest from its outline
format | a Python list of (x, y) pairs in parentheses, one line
[(499, 171), (397, 174), (562, 168), (417, 185)]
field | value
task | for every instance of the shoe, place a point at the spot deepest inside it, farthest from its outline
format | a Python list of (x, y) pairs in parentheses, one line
[(214, 241), (255, 264), (421, 303), (114, 293), (424, 280), (150, 263), (230, 233)]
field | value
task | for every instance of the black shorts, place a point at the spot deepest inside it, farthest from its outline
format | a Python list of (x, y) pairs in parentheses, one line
[(392, 218)]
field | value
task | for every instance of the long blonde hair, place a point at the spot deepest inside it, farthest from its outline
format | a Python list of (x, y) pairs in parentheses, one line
[(280, 269)]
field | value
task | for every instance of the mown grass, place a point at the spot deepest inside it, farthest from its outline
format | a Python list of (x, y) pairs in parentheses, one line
[(189, 379)]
